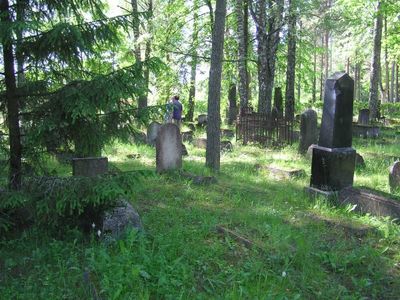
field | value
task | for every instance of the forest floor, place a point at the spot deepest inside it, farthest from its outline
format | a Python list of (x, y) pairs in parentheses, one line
[(250, 235)]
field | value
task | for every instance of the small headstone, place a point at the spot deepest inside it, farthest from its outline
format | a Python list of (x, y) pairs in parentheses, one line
[(119, 219), (184, 150), (360, 163), (200, 143), (333, 159), (152, 133), (202, 120), (363, 116), (278, 102), (169, 148), (394, 177), (187, 136), (89, 166), (226, 146), (308, 130)]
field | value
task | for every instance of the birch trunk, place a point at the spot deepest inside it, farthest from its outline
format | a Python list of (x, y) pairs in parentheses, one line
[(242, 61)]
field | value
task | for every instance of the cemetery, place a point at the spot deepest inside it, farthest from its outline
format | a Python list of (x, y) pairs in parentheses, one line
[(236, 165)]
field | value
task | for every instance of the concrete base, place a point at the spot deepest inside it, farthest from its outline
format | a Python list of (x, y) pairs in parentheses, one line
[(315, 193)]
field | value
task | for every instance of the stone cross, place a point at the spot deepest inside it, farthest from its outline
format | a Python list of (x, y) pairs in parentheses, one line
[(89, 166), (169, 148), (152, 133), (308, 130), (333, 159)]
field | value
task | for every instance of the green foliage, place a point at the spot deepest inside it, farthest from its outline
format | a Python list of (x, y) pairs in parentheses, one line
[(391, 110)]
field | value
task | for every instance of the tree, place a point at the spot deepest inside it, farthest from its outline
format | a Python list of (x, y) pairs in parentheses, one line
[(242, 33), (193, 65), (11, 96), (375, 72), (291, 61), (214, 88)]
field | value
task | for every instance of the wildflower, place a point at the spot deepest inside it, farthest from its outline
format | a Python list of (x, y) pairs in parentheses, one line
[(93, 225), (98, 233), (283, 274)]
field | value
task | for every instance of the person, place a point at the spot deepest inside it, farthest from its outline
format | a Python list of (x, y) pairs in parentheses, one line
[(177, 111)]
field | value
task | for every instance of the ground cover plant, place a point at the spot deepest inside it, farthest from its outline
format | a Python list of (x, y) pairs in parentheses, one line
[(299, 248)]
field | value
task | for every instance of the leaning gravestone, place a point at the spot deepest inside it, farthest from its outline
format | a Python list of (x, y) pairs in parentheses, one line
[(202, 120), (89, 166), (308, 130), (394, 177), (363, 116), (333, 159), (152, 133), (169, 148)]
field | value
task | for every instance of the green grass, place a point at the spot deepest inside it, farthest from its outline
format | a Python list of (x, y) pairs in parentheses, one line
[(304, 249)]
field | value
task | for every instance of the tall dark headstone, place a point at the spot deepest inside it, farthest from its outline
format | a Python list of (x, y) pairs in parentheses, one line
[(333, 159), (363, 116), (308, 130)]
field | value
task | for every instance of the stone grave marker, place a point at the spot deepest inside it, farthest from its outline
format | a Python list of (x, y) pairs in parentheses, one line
[(202, 120), (363, 116), (169, 148), (394, 177), (278, 102), (308, 130), (187, 136), (152, 133), (89, 166), (333, 159)]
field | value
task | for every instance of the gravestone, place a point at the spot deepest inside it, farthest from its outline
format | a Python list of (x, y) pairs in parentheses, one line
[(363, 116), (360, 163), (187, 136), (152, 133), (308, 130), (202, 120), (89, 166), (394, 177), (169, 148), (226, 146), (184, 150), (333, 159)]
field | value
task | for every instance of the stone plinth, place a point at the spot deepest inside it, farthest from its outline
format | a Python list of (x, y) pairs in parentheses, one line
[(365, 131), (89, 166), (332, 168)]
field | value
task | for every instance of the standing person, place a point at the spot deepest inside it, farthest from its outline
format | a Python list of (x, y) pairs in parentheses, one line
[(177, 113)]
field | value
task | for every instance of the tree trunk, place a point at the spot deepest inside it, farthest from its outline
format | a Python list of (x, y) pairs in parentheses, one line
[(397, 84), (392, 79), (386, 97), (193, 66), (322, 79), (214, 88), (242, 62), (314, 76), (12, 103), (291, 63), (232, 109), (375, 72)]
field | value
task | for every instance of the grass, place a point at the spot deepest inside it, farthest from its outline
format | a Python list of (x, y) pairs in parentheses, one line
[(304, 249)]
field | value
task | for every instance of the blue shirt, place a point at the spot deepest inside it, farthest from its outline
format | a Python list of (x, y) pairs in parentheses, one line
[(177, 114)]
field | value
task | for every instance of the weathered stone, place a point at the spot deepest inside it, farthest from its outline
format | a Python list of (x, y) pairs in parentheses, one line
[(227, 133), (202, 120), (365, 131), (152, 133), (370, 201), (187, 136), (184, 150), (337, 114), (89, 166), (121, 218), (226, 146), (333, 159), (332, 168), (169, 148), (363, 116), (308, 130), (360, 163), (200, 143), (284, 173), (394, 177)]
